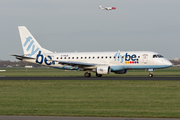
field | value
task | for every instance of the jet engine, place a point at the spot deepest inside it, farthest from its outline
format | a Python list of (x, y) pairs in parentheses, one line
[(103, 69), (121, 72)]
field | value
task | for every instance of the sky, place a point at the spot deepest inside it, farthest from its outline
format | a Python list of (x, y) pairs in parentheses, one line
[(79, 25)]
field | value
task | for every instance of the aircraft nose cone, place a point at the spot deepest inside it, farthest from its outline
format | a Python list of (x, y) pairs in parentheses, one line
[(168, 63)]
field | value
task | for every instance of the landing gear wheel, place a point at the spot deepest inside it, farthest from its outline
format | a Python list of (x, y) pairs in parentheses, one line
[(87, 74), (98, 75), (150, 75)]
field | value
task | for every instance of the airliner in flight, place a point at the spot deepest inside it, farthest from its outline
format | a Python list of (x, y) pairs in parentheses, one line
[(106, 8), (100, 63)]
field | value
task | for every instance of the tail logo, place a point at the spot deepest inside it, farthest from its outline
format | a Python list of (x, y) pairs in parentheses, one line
[(30, 41)]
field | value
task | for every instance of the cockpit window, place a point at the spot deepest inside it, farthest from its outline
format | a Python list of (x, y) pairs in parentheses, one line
[(154, 56), (157, 56)]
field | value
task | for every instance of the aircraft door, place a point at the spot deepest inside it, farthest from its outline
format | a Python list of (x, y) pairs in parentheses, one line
[(52, 57), (145, 58)]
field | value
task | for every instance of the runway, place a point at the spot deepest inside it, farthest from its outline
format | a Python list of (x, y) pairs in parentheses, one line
[(91, 78)]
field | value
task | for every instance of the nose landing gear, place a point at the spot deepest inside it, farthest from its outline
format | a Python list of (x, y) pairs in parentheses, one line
[(150, 75), (150, 72)]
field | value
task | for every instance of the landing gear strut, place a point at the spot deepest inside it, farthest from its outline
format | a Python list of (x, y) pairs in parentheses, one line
[(98, 75), (87, 74)]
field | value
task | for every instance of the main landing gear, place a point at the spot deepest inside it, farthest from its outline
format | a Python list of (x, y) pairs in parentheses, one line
[(87, 74), (98, 75)]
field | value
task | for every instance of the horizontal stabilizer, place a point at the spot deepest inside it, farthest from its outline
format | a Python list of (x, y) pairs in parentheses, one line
[(21, 57)]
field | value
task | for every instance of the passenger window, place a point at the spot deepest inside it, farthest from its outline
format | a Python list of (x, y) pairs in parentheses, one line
[(93, 57), (61, 57), (102, 57), (57, 58), (64, 57), (85, 57), (81, 57), (72, 57), (89, 57), (97, 57), (109, 56), (68, 57), (76, 57)]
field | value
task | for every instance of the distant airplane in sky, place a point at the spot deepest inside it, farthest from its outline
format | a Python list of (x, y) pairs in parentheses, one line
[(106, 8), (100, 63)]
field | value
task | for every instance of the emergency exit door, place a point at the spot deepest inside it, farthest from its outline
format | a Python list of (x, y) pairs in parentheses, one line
[(145, 58)]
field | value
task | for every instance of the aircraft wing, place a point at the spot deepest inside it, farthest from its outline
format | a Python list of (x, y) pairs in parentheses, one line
[(72, 63)]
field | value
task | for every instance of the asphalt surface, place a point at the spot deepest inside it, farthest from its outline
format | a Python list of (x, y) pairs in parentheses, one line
[(74, 118), (91, 78)]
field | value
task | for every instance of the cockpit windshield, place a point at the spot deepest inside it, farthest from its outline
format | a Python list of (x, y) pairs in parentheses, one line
[(157, 56)]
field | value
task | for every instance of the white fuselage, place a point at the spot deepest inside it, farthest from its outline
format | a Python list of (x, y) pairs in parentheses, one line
[(116, 60), (106, 8)]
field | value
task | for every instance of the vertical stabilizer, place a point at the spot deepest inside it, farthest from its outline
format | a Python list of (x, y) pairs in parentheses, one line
[(100, 6), (29, 43)]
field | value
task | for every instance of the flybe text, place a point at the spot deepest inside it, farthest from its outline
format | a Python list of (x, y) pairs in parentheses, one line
[(40, 58), (30, 45), (129, 59)]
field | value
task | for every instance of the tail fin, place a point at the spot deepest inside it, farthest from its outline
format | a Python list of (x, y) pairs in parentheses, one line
[(29, 43), (100, 6)]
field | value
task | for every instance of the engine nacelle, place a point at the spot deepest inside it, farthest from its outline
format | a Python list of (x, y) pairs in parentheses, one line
[(121, 72), (103, 69)]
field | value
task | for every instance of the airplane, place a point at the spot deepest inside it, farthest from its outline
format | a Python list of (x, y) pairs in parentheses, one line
[(100, 63), (106, 8)]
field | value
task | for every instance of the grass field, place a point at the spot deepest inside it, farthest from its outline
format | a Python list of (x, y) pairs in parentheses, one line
[(99, 98), (159, 99), (169, 72)]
